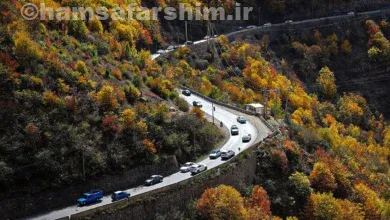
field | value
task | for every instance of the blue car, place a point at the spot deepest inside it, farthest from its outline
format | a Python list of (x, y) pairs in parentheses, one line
[(90, 197), (120, 195)]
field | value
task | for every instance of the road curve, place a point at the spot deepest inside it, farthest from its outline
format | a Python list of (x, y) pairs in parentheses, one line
[(234, 143)]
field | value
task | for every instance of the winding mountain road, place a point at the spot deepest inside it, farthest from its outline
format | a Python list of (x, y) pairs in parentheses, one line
[(228, 117)]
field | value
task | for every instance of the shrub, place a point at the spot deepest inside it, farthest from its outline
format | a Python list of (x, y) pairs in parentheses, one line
[(81, 67), (182, 104)]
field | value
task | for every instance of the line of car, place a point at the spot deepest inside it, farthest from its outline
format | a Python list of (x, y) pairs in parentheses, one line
[(97, 195), (187, 43), (194, 168), (234, 129)]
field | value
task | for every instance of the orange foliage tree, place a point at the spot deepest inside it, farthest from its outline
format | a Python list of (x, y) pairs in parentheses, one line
[(258, 205), (223, 202)]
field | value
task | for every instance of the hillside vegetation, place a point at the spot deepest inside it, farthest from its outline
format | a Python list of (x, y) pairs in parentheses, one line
[(334, 157), (86, 89), (81, 90)]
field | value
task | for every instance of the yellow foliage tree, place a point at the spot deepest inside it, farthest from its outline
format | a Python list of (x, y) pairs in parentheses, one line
[(95, 25), (107, 98), (128, 118), (321, 178), (326, 83), (223, 202), (198, 113), (26, 50)]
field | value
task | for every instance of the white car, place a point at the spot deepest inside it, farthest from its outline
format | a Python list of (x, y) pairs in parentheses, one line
[(289, 22), (351, 13), (198, 168), (267, 24), (186, 167), (207, 37), (161, 51), (246, 137)]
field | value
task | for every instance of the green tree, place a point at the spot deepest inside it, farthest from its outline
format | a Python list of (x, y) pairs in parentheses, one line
[(301, 184), (78, 28)]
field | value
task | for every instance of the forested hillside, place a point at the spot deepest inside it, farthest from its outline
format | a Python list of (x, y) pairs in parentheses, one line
[(74, 90), (88, 91), (332, 161)]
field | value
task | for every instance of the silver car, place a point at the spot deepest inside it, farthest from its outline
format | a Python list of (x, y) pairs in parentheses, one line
[(241, 119), (215, 154), (186, 167), (226, 155), (198, 168)]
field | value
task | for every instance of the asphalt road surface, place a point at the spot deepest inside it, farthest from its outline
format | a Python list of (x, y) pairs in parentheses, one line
[(233, 143)]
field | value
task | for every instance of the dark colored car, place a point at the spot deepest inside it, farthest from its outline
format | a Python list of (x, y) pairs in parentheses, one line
[(154, 180), (188, 43), (186, 92), (120, 195), (197, 104)]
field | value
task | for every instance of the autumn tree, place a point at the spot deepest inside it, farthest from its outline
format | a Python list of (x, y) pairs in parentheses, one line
[(78, 28), (301, 184), (95, 25), (81, 67), (372, 204), (346, 47), (26, 50), (107, 98), (326, 83), (352, 108), (197, 112), (332, 43), (321, 178), (258, 206), (128, 117), (322, 206), (223, 202)]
